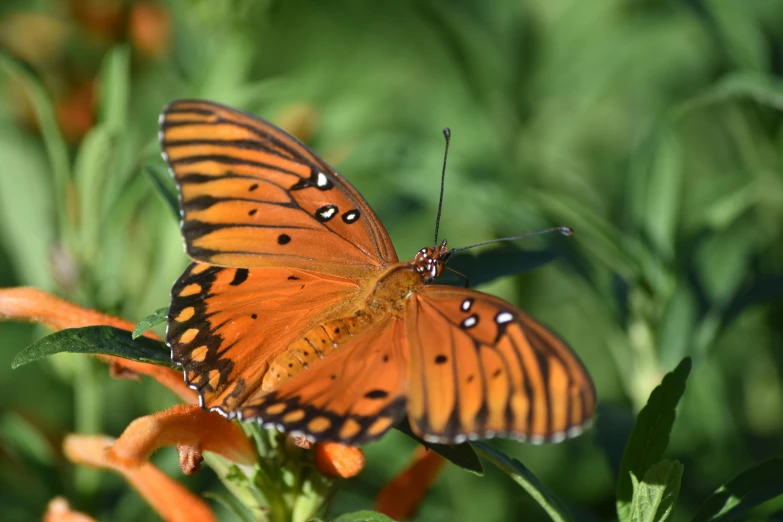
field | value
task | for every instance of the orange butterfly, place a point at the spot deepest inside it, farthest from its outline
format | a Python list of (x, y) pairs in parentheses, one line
[(296, 311)]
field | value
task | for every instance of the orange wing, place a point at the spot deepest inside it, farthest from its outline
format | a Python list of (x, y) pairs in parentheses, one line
[(227, 324), (252, 195), (480, 367), (352, 396)]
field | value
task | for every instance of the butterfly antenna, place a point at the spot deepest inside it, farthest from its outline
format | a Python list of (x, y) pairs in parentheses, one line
[(563, 230), (447, 135)]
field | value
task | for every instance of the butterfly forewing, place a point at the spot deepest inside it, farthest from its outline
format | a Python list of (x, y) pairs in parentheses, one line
[(354, 395), (480, 367), (226, 325), (252, 195)]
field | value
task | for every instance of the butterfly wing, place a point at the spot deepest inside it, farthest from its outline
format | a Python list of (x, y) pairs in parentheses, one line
[(227, 324), (352, 396), (252, 195), (481, 367)]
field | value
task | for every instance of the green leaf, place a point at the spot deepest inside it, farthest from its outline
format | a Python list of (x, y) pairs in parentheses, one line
[(165, 187), (363, 516), (745, 491), (105, 340), (650, 434), (654, 497), (462, 455), (762, 89), (115, 88), (56, 148), (154, 319), (92, 162), (554, 507), (664, 192)]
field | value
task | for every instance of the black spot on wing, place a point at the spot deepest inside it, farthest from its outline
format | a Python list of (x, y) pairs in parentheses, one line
[(240, 276)]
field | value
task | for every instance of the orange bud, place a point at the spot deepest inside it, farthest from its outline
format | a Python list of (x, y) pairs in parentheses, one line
[(337, 460), (150, 29)]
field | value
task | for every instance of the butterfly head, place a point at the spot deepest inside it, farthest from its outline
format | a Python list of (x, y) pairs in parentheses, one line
[(430, 262)]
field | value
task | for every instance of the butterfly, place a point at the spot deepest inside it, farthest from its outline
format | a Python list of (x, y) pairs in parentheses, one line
[(296, 311)]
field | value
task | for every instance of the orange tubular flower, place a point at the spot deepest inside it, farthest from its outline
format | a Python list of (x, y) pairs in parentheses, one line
[(58, 510), (400, 497), (170, 499), (188, 427)]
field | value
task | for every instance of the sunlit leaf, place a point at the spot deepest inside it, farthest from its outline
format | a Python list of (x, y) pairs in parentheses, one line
[(655, 496), (745, 491), (154, 319), (95, 340), (650, 434), (525, 478)]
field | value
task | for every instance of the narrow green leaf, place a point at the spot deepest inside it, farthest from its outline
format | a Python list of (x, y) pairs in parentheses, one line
[(664, 192), (650, 434), (154, 319), (96, 340), (554, 507), (56, 147), (165, 187), (762, 89), (115, 88), (462, 455), (745, 491), (655, 496), (93, 160), (363, 516)]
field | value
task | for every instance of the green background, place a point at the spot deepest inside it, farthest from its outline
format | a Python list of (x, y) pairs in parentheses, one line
[(651, 127)]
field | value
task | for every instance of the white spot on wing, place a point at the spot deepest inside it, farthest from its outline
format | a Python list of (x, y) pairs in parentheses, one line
[(322, 180), (466, 304), (560, 436), (470, 321), (504, 317)]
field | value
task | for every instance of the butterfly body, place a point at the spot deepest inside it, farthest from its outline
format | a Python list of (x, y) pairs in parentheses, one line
[(297, 312), (386, 296)]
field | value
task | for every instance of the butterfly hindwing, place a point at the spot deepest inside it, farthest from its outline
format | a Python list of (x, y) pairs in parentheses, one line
[(481, 367), (226, 325), (252, 195), (353, 396)]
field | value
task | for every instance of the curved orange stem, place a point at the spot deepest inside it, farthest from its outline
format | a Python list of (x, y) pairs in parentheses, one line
[(31, 304)]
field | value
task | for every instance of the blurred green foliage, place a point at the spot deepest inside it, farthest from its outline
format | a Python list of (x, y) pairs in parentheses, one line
[(652, 127)]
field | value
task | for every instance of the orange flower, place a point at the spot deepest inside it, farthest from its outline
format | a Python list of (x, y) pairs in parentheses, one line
[(188, 427)]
